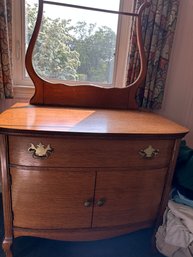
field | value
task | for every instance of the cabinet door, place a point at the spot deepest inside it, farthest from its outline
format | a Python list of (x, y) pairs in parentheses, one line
[(52, 198), (127, 197)]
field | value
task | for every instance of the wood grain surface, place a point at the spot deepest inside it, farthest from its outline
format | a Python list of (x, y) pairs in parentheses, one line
[(25, 117)]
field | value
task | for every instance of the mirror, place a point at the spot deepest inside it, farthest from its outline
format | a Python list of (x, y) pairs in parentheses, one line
[(42, 69), (75, 45)]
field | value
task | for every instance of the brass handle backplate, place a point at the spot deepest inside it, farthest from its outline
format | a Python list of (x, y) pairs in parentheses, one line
[(40, 151), (149, 152)]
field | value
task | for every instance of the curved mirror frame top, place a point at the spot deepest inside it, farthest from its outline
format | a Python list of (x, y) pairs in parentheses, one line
[(48, 93)]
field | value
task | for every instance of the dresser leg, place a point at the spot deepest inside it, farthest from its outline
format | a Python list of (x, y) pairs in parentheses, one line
[(7, 242)]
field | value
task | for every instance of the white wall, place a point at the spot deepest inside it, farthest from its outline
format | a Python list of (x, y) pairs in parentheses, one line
[(178, 100)]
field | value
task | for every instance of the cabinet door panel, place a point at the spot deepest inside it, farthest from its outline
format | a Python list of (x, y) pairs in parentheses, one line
[(51, 199), (130, 196)]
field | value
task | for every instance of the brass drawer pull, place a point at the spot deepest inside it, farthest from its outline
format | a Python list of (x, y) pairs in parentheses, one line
[(40, 151), (101, 202), (88, 203), (149, 152)]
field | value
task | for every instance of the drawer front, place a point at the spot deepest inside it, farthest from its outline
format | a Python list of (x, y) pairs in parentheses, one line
[(89, 152)]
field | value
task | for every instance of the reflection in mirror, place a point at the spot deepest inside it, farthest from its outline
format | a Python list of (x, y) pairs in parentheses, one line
[(73, 44)]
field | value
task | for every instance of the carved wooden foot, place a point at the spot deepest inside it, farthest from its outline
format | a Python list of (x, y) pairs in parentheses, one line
[(7, 242)]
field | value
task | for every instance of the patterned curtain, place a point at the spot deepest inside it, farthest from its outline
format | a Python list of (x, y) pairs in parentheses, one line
[(6, 83), (158, 26)]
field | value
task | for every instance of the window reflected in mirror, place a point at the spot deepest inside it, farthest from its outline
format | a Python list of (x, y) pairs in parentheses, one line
[(75, 44)]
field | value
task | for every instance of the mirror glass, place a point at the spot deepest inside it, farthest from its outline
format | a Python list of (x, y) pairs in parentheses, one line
[(74, 44)]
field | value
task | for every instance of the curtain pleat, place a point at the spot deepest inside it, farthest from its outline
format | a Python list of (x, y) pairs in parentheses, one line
[(6, 83), (158, 27)]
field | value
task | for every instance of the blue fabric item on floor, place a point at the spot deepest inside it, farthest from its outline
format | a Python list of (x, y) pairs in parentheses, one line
[(183, 177), (179, 198)]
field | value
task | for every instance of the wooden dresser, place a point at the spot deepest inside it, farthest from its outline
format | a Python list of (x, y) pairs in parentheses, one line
[(84, 174)]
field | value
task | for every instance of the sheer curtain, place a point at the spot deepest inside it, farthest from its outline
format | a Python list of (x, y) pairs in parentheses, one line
[(158, 26), (6, 83)]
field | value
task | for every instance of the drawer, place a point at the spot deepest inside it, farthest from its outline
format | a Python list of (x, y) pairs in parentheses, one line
[(90, 152)]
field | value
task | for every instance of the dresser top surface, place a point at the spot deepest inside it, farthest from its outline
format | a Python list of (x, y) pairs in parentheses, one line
[(25, 117)]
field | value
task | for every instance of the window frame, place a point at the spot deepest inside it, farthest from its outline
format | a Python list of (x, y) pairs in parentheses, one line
[(23, 87)]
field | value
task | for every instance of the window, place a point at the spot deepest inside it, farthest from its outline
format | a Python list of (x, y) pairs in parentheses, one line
[(75, 45)]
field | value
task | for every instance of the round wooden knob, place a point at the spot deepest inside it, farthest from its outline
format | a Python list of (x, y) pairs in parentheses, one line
[(88, 203), (101, 202)]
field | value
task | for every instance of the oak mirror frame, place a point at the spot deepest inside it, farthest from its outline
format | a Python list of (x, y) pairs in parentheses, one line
[(48, 93)]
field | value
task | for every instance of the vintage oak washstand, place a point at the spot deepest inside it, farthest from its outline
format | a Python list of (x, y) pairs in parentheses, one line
[(82, 162)]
